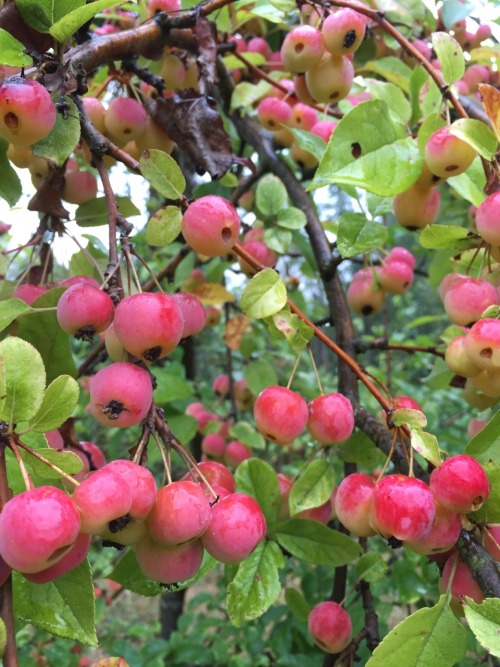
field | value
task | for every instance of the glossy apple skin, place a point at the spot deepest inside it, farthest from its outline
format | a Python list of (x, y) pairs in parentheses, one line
[(211, 225), (141, 483), (482, 344), (331, 418), (280, 414), (330, 626), (352, 502), (463, 582), (27, 113), (169, 564), (84, 310), (74, 557), (460, 484), (442, 536), (302, 48), (447, 155), (101, 498)]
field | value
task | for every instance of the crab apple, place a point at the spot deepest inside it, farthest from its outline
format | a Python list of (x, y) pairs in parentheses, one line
[(121, 394), (301, 90), (154, 6), (491, 540), (352, 503), (447, 155), (130, 534), (324, 129), (330, 626), (91, 456), (96, 112), (259, 45), (273, 113), (236, 452), (343, 31), (235, 529), (474, 427), (302, 48), (169, 564), (475, 397), (27, 113), (113, 345), (303, 117), (28, 293), (221, 385), (331, 418), (488, 219), (416, 207), (364, 296), (405, 403), (37, 528), (73, 558), (149, 325), (482, 344), (260, 252), (213, 445), (77, 280), (458, 361), (125, 119), (192, 311), (396, 277), (466, 300), (488, 382), (211, 225), (215, 473), (400, 254), (79, 187), (402, 507), (302, 158), (442, 536), (280, 414), (102, 497), (448, 281), (463, 582), (321, 513), (285, 484), (20, 156), (331, 79), (243, 395), (54, 439), (84, 310), (141, 483), (460, 484)]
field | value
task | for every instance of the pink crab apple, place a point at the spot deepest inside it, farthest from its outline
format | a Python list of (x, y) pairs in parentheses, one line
[(169, 564), (321, 513), (73, 558), (103, 497), (77, 280), (181, 513), (192, 311), (324, 129), (302, 48), (149, 325), (273, 113), (416, 207), (331, 79), (460, 484), (237, 526), (301, 90), (221, 384), (79, 187), (458, 361), (400, 254), (285, 484), (125, 119), (236, 452), (154, 137), (37, 528), (465, 300), (213, 445), (280, 414), (482, 344), (330, 626), (303, 117), (447, 155), (463, 582), (352, 503), (27, 113), (474, 427), (343, 31), (121, 394), (28, 293), (488, 219), (442, 536), (491, 540), (402, 508), (364, 295), (96, 112), (260, 252), (396, 277), (448, 281), (215, 473), (211, 225), (83, 310), (331, 418), (141, 484)]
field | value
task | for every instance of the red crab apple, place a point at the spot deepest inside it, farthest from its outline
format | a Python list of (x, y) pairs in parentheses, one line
[(96, 112), (321, 513), (102, 497), (402, 508), (396, 277), (460, 484), (447, 155), (211, 225), (221, 385), (79, 187), (68, 562), (465, 300), (364, 295), (235, 529), (37, 528), (149, 325), (192, 311), (285, 484), (236, 452), (491, 540), (352, 503), (83, 310), (213, 445), (141, 484), (125, 118), (343, 31), (302, 48), (330, 626), (463, 582), (215, 473), (27, 113), (169, 564), (442, 536), (280, 414), (121, 394), (331, 418), (482, 344), (28, 293)]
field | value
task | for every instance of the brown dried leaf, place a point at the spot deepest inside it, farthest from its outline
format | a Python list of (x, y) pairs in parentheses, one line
[(204, 31), (47, 199), (491, 103), (211, 294), (234, 331)]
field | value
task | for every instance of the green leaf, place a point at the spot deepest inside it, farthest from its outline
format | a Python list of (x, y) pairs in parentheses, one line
[(270, 195), (477, 134), (69, 24), (24, 380), (163, 172), (10, 185), (264, 295), (246, 94), (59, 400), (433, 122), (164, 226), (361, 450), (297, 604), (450, 56), (247, 434), (315, 543), (489, 512), (171, 387), (309, 142), (260, 374), (429, 637), (259, 480), (470, 185), (436, 237), (128, 573), (356, 234), (10, 310), (484, 621), (313, 488), (287, 325), (232, 62), (371, 567), (371, 151), (12, 52), (63, 607), (278, 239), (426, 445), (67, 461), (393, 96), (42, 330), (392, 69), (42, 14), (256, 585), (95, 212), (62, 139), (412, 418), (291, 218), (3, 637), (485, 446)]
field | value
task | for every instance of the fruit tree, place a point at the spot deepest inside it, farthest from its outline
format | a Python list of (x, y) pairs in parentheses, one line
[(250, 333)]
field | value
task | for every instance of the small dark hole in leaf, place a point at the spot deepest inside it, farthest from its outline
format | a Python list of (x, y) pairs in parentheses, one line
[(356, 150)]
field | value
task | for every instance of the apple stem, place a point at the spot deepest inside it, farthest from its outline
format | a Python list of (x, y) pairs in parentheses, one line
[(309, 349), (294, 369), (25, 475)]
